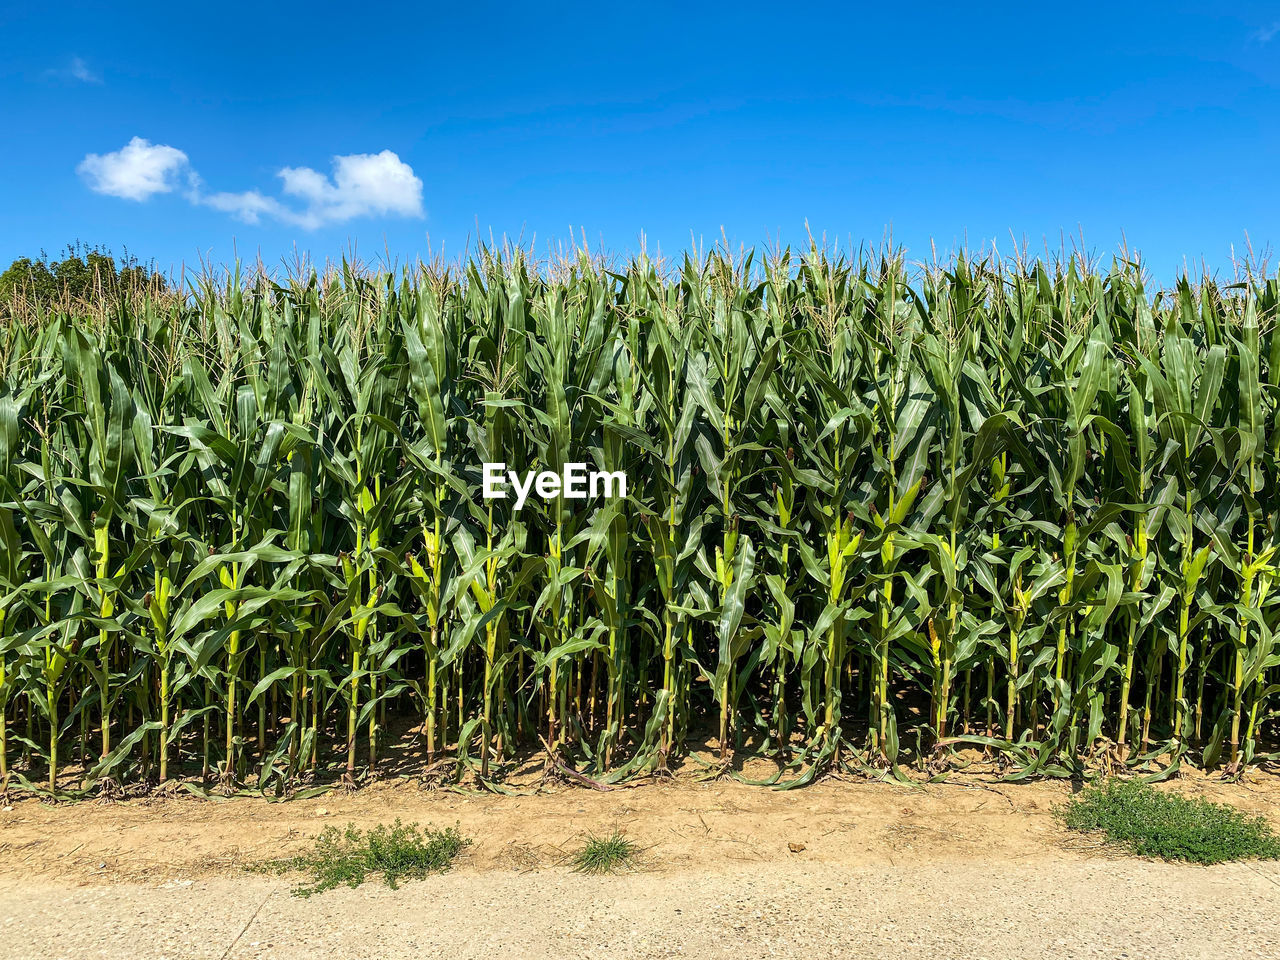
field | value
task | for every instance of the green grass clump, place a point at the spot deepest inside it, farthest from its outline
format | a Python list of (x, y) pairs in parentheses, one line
[(396, 852), (1170, 827), (605, 854)]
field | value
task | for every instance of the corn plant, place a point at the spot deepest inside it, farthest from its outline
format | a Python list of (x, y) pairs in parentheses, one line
[(878, 517)]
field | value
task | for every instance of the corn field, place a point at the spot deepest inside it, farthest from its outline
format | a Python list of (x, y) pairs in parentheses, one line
[(879, 517)]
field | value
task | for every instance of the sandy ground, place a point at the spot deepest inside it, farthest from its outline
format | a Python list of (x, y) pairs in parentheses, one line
[(962, 869)]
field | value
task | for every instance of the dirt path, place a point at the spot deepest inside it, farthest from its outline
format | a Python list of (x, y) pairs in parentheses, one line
[(963, 870)]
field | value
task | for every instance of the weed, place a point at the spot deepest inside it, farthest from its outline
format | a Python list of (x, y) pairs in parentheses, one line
[(1153, 824), (606, 854), (396, 852)]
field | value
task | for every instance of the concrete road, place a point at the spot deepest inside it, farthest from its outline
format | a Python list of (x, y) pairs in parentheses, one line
[(1049, 906)]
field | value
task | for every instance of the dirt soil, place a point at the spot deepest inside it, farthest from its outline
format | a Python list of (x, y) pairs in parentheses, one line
[(841, 868)]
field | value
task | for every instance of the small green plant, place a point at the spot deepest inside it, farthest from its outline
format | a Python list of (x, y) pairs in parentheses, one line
[(397, 852), (605, 854), (1153, 824)]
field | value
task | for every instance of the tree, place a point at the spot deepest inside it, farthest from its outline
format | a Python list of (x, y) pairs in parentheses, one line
[(83, 273)]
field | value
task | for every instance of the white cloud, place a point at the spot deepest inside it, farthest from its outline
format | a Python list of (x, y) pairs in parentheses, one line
[(1267, 34), (138, 170), (249, 206), (362, 185), (80, 71), (76, 69)]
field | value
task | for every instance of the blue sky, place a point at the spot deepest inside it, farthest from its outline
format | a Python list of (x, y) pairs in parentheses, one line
[(1159, 122)]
